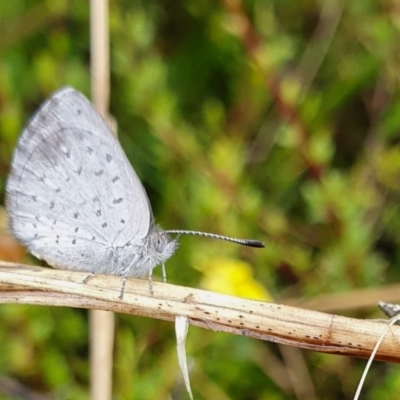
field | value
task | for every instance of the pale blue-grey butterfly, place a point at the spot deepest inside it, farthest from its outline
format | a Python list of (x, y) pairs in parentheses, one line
[(74, 200)]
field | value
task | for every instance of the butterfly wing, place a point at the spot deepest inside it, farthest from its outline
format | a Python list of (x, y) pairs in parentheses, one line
[(72, 195)]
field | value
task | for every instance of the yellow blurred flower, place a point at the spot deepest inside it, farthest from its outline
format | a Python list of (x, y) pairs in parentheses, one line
[(233, 277)]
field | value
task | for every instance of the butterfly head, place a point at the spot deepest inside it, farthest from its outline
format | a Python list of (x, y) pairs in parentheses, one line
[(160, 246)]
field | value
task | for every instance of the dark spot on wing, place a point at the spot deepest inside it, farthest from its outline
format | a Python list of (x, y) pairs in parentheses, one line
[(89, 150), (58, 190), (117, 201), (122, 221), (76, 215), (98, 213), (99, 173), (34, 198), (115, 179), (51, 205), (108, 158), (68, 153), (76, 230), (79, 170), (104, 225), (73, 241)]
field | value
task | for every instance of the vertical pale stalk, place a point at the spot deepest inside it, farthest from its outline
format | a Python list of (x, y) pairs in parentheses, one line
[(101, 322)]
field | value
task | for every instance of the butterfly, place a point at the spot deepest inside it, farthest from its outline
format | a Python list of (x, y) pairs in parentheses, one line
[(74, 200)]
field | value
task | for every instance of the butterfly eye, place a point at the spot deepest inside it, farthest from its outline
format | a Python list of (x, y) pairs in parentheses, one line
[(159, 242)]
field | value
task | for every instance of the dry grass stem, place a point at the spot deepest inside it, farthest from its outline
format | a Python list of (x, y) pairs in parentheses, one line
[(277, 323)]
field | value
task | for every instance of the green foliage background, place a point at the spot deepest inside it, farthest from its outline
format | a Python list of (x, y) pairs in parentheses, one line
[(276, 120)]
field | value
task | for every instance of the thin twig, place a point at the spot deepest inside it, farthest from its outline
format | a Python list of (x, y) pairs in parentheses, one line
[(276, 323)]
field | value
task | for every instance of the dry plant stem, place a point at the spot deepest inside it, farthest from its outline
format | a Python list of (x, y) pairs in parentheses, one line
[(289, 113), (251, 42), (100, 56), (353, 299), (314, 55), (277, 323), (101, 322)]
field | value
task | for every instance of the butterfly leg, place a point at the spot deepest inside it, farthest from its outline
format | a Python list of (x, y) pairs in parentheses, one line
[(164, 274), (151, 282), (88, 277), (122, 291)]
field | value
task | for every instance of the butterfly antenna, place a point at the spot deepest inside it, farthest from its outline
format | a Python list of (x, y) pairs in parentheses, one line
[(244, 242)]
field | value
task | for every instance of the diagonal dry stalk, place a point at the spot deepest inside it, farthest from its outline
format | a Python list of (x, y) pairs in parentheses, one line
[(277, 323)]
